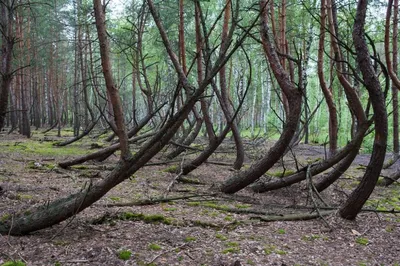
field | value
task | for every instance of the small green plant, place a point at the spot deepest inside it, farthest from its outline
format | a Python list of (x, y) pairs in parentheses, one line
[(155, 247), (362, 241), (221, 237), (57, 263), (230, 250), (172, 169), (281, 231), (170, 209), (242, 206), (190, 239), (310, 237), (232, 244), (228, 218), (124, 254), (280, 252), (13, 263), (5, 217)]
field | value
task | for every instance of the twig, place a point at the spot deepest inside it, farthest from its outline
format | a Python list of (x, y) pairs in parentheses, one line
[(293, 217), (165, 252), (171, 185), (310, 186)]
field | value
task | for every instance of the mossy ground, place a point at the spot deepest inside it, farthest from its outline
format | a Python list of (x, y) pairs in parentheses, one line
[(192, 231)]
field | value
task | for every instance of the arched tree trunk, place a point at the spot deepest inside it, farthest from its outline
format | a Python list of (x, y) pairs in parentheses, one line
[(392, 66), (61, 209), (360, 195), (333, 122), (245, 178), (225, 102), (315, 169)]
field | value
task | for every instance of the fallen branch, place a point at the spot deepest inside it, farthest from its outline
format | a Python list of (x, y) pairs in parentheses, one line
[(293, 217), (154, 201)]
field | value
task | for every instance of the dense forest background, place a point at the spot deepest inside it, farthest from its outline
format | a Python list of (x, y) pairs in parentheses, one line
[(176, 82)]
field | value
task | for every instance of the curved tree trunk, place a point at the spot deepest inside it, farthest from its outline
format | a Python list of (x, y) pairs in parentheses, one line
[(225, 102), (360, 195), (189, 140), (315, 169), (61, 209), (333, 121), (245, 178), (392, 67)]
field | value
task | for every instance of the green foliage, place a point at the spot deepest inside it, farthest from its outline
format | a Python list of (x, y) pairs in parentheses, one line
[(124, 254), (155, 247), (42, 148), (231, 250), (5, 217), (281, 231), (283, 173), (190, 239), (269, 249), (362, 241), (171, 169), (221, 237), (13, 263)]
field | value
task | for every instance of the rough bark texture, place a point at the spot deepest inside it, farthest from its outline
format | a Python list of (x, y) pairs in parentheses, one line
[(245, 178), (333, 121), (315, 169), (7, 44), (225, 101), (360, 195), (110, 84)]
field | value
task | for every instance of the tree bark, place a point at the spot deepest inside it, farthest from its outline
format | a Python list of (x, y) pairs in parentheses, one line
[(245, 178), (110, 84), (360, 195), (7, 44)]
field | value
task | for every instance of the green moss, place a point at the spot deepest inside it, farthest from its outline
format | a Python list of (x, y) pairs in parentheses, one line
[(5, 217), (389, 228), (43, 148), (115, 198), (24, 197), (214, 205), (231, 250), (190, 239), (124, 254), (13, 263), (60, 243), (193, 203), (170, 209), (155, 247), (57, 263), (280, 252), (171, 169), (242, 206), (362, 241), (281, 231), (221, 237), (232, 244), (281, 173), (310, 237), (228, 218), (151, 218)]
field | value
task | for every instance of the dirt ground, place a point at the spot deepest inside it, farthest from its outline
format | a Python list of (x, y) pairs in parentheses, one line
[(199, 226)]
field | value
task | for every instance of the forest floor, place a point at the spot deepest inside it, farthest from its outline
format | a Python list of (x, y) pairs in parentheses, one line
[(196, 226)]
